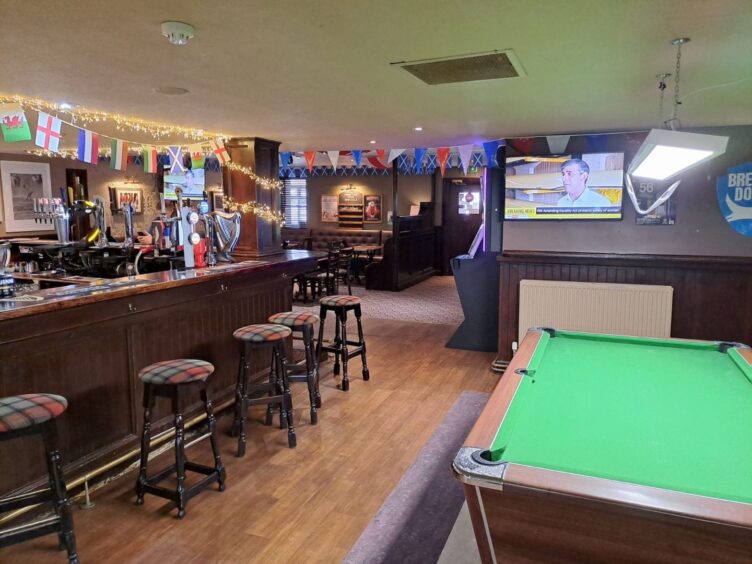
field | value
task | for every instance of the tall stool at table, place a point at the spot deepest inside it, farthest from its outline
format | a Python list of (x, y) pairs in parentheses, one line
[(263, 336), (340, 305), (307, 370), (170, 379), (34, 414)]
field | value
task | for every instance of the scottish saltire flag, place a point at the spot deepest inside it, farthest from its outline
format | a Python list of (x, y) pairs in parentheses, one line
[(218, 150), (119, 156), (150, 159), (198, 159), (176, 159), (48, 132), (13, 123), (88, 146)]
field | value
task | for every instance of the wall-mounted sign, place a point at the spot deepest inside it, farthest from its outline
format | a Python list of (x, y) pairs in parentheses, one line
[(734, 191), (372, 209), (647, 193)]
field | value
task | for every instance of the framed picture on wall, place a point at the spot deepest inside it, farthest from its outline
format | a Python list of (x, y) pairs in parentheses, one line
[(329, 210), (133, 196), (22, 182), (372, 208), (218, 201)]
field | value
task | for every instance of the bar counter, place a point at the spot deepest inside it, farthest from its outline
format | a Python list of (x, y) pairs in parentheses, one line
[(88, 340)]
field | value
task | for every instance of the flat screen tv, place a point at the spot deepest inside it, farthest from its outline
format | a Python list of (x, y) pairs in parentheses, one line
[(191, 182), (576, 186)]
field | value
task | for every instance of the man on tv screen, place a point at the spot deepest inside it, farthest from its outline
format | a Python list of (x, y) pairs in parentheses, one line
[(575, 174)]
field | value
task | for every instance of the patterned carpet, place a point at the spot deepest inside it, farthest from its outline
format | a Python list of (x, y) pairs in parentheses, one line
[(432, 301)]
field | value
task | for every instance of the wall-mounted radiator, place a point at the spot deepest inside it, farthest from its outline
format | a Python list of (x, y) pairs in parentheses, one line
[(623, 309)]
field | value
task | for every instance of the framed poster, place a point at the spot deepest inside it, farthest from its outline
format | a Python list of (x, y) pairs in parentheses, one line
[(372, 209), (329, 213), (22, 182), (130, 195), (218, 200)]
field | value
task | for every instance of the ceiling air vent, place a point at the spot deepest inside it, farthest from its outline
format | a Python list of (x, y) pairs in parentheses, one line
[(465, 68)]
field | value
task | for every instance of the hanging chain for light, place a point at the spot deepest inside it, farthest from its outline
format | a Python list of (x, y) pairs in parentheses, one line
[(679, 41), (662, 88)]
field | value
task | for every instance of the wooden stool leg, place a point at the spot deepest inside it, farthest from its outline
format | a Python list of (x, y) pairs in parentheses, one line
[(237, 422), (180, 493), (276, 387), (320, 341), (311, 378), (286, 406), (361, 339), (59, 491), (145, 443), (242, 405), (343, 338), (213, 438), (337, 342)]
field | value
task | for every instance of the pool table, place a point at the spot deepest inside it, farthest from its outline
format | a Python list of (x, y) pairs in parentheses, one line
[(606, 448)]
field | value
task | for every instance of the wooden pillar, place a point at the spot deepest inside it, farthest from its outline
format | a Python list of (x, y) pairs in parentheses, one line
[(258, 237)]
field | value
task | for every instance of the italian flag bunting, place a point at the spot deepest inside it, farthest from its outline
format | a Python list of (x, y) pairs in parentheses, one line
[(119, 156), (150, 159)]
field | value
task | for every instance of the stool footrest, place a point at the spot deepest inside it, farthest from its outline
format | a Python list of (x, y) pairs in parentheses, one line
[(351, 352), (266, 400), (32, 530), (25, 499), (168, 493)]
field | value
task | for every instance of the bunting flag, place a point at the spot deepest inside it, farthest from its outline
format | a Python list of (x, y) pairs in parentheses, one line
[(523, 145), (198, 159), (557, 144), (596, 143), (175, 153), (334, 158), (150, 158), (285, 158), (466, 155), (48, 132), (375, 162), (88, 146), (393, 154), (490, 148), (442, 153), (219, 150), (419, 154), (381, 154), (356, 155), (119, 154), (309, 158), (13, 123)]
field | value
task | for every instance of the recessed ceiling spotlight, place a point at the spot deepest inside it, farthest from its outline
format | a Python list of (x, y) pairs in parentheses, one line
[(372, 141), (171, 90), (419, 128), (67, 106), (177, 33)]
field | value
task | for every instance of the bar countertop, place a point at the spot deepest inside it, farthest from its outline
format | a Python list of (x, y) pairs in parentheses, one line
[(82, 290)]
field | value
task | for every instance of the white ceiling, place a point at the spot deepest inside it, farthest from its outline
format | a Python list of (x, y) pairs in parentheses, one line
[(316, 75)]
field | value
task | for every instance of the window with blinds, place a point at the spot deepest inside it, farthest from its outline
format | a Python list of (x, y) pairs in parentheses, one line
[(295, 203)]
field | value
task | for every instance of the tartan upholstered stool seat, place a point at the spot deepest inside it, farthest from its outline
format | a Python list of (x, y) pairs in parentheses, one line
[(307, 369), (171, 379), (340, 305), (180, 371), (277, 390), (19, 412), (262, 333), (34, 414)]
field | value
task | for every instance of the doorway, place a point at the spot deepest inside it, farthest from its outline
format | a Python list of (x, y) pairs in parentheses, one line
[(462, 215)]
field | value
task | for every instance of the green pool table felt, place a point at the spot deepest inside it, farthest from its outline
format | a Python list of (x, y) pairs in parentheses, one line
[(663, 413)]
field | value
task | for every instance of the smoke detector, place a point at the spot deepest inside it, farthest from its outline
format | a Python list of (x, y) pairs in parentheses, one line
[(177, 33)]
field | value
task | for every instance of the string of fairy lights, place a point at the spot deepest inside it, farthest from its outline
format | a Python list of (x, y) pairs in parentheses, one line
[(260, 210)]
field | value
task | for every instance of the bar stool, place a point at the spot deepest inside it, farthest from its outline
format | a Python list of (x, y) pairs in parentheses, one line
[(340, 305), (170, 379), (262, 336), (307, 370), (33, 414)]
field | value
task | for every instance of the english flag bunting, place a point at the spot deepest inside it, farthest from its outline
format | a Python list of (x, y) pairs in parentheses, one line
[(176, 159), (48, 132), (88, 146), (13, 123), (119, 154), (150, 159), (198, 160), (220, 151)]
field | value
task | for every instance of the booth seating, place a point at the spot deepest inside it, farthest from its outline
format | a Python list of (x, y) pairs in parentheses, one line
[(320, 239)]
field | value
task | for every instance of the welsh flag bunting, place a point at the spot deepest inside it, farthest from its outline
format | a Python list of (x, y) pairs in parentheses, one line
[(309, 158), (88, 146), (220, 151), (150, 159), (48, 132), (119, 154), (175, 152), (442, 153), (198, 160), (13, 123)]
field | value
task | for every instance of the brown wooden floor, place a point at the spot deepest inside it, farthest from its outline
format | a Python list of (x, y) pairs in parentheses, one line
[(309, 504)]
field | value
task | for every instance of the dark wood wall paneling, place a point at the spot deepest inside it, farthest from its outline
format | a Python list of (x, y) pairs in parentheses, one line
[(712, 295)]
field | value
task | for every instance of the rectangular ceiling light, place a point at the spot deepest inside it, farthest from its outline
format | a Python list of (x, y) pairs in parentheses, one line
[(465, 68), (665, 153)]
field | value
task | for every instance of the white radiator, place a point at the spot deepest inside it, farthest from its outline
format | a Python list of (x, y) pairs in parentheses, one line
[(622, 309)]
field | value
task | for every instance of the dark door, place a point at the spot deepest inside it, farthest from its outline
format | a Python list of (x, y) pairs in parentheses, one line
[(462, 214)]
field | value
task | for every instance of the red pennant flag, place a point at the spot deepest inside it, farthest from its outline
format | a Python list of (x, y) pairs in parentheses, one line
[(524, 145), (442, 153), (309, 157), (381, 154)]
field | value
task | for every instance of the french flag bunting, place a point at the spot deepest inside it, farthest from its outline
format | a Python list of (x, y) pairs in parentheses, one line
[(175, 152), (119, 154), (88, 146), (48, 132)]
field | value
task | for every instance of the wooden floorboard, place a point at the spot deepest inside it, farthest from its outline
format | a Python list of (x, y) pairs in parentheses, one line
[(308, 504)]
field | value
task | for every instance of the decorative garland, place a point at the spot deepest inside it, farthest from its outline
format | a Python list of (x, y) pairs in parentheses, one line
[(266, 183), (261, 210)]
